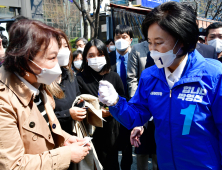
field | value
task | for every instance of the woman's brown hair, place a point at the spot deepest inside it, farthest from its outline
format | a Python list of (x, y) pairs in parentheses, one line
[(26, 38), (54, 87)]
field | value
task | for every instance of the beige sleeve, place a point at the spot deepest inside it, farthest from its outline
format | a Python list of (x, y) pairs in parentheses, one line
[(66, 135), (12, 152)]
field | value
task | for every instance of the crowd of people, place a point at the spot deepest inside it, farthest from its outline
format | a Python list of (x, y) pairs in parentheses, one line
[(162, 95)]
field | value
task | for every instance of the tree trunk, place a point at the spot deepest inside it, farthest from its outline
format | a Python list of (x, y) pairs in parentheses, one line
[(97, 19), (92, 28), (85, 23), (96, 26)]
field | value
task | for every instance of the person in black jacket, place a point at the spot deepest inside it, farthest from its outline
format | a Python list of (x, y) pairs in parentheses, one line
[(96, 67), (119, 63), (65, 89)]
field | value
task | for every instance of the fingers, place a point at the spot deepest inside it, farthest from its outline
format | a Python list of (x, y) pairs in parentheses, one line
[(80, 118), (104, 83), (80, 101), (79, 109), (131, 141)]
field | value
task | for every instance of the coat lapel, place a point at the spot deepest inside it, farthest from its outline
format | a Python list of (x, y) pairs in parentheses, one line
[(53, 121), (40, 126)]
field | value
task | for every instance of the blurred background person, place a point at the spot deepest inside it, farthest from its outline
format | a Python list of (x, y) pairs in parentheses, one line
[(81, 43), (2, 48), (136, 64), (147, 147), (201, 39), (214, 38), (96, 67), (110, 45), (77, 61), (65, 90), (119, 61), (31, 135)]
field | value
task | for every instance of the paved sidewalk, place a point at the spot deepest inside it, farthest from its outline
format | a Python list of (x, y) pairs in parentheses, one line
[(134, 165)]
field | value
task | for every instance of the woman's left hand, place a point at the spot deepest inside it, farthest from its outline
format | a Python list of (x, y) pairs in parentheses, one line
[(105, 113)]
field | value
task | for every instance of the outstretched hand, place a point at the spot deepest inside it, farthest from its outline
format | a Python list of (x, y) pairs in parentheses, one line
[(107, 93)]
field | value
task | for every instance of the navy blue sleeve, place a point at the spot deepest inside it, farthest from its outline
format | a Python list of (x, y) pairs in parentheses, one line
[(64, 114), (78, 93)]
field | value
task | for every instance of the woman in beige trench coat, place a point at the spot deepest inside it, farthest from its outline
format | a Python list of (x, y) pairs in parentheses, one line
[(29, 140)]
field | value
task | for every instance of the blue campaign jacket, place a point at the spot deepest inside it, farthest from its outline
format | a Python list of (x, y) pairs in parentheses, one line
[(188, 118)]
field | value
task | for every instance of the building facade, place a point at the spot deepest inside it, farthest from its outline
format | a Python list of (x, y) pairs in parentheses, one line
[(61, 14)]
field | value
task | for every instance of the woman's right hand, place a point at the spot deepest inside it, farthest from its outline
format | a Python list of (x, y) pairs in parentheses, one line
[(107, 93), (78, 151), (77, 113)]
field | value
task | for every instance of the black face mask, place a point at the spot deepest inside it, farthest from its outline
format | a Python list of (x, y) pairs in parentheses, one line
[(220, 59)]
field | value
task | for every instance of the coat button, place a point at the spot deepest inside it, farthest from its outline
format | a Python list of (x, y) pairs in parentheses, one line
[(35, 137), (49, 136), (53, 125), (32, 124)]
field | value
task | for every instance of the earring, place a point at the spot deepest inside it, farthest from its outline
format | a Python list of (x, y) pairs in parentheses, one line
[(27, 74)]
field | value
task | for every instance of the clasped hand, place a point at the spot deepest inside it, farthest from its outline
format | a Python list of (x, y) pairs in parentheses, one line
[(78, 151)]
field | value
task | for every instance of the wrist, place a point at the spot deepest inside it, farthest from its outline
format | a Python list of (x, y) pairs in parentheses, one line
[(116, 100)]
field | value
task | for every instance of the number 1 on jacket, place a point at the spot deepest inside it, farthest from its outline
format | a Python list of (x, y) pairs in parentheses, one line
[(188, 112)]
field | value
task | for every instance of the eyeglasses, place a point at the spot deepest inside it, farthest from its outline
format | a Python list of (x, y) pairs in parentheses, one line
[(80, 45)]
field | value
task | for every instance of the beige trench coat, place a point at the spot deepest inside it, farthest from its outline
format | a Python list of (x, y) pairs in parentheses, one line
[(26, 142)]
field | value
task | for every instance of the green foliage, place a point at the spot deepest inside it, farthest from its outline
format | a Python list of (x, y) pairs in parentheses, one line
[(73, 41)]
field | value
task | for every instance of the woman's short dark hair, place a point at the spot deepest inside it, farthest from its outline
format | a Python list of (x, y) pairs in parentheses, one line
[(76, 53), (121, 29), (109, 41), (101, 47), (178, 20), (213, 26), (16, 18), (25, 42)]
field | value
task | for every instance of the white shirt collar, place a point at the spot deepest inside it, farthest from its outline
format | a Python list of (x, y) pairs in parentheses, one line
[(174, 77), (31, 87)]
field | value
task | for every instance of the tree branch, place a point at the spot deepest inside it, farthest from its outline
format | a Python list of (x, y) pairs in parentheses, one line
[(77, 5), (218, 11), (207, 7)]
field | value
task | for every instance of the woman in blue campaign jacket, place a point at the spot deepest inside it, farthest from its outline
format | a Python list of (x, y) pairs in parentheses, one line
[(183, 93)]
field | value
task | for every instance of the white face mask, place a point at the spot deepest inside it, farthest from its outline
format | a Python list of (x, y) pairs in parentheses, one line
[(47, 76), (63, 56), (122, 44), (77, 64), (216, 43), (97, 63), (163, 59), (112, 48), (80, 49)]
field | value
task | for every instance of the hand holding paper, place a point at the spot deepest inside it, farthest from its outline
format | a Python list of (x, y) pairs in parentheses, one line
[(107, 93)]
